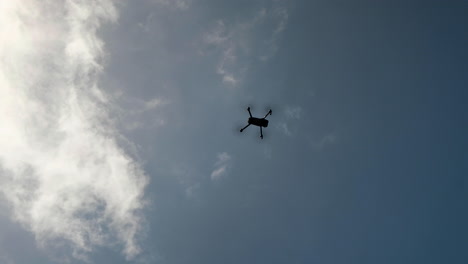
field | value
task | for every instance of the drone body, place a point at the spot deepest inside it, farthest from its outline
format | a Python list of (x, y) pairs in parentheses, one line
[(260, 122)]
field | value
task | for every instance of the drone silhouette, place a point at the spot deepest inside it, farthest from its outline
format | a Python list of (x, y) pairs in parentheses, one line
[(260, 122)]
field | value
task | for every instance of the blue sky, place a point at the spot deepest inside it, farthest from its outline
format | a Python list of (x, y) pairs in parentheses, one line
[(121, 145)]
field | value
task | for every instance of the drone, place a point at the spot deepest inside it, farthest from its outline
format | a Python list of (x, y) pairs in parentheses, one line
[(260, 122)]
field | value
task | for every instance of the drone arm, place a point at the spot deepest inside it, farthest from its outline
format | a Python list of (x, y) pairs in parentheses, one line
[(261, 133), (269, 113), (244, 127), (248, 109)]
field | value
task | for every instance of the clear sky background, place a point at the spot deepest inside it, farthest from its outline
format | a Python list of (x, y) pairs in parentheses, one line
[(119, 131)]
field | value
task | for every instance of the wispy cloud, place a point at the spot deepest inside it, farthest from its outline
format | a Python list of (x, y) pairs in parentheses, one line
[(146, 25), (221, 166), (283, 127), (135, 113), (267, 152), (5, 259), (280, 15), (191, 190), (293, 112), (61, 169), (177, 4), (153, 103), (221, 38), (324, 141), (238, 42), (287, 124), (187, 176)]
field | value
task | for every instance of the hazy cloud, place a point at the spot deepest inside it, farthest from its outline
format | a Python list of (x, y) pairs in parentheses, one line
[(177, 4), (237, 42), (267, 152), (288, 123), (324, 141), (293, 112), (280, 15), (223, 39), (146, 26), (5, 259), (187, 176), (135, 113), (61, 169), (191, 190), (153, 103), (283, 127)]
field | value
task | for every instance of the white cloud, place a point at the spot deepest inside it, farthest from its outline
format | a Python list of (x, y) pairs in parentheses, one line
[(61, 169), (217, 173), (228, 78), (221, 166)]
